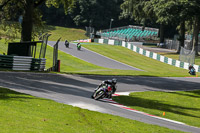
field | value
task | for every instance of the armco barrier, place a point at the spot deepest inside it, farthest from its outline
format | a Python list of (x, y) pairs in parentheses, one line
[(150, 54), (22, 63), (38, 64)]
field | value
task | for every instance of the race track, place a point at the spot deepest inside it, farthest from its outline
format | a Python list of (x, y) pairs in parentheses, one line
[(92, 57), (76, 90)]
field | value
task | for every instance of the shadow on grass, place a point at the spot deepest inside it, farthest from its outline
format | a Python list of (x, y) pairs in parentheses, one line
[(49, 28), (195, 94), (155, 104), (6, 94), (169, 53)]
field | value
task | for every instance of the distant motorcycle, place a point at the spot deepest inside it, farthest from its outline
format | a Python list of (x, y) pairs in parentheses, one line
[(104, 91), (78, 46), (192, 70), (67, 44)]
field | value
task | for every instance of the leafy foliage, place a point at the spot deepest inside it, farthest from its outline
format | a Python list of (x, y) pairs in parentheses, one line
[(166, 12), (97, 13), (32, 22)]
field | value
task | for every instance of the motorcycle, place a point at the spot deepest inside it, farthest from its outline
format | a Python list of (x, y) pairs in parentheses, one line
[(192, 70), (78, 46), (67, 44), (104, 91)]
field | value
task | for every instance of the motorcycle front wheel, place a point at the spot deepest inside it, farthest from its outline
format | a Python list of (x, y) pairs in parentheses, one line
[(99, 95)]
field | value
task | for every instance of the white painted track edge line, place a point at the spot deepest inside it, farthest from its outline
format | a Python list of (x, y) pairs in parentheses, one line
[(146, 114)]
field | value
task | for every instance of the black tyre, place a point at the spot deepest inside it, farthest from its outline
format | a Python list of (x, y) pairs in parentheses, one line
[(92, 96), (99, 95)]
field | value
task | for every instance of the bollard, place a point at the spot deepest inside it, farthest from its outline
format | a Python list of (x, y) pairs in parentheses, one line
[(163, 113), (58, 65)]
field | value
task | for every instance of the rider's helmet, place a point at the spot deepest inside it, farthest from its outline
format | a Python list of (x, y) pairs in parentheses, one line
[(190, 67), (114, 80)]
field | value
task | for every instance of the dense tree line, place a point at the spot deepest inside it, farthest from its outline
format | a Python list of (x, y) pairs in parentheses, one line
[(182, 15), (10, 10), (165, 12), (94, 13)]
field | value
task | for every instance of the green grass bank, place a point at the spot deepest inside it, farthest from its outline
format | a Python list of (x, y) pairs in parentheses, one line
[(151, 67), (24, 113), (183, 106)]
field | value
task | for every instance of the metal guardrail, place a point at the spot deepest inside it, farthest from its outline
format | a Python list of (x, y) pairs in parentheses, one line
[(55, 56), (38, 64), (174, 44), (24, 63)]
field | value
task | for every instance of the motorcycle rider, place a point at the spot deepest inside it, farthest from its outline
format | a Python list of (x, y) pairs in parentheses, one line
[(66, 43), (192, 70), (112, 83), (78, 46)]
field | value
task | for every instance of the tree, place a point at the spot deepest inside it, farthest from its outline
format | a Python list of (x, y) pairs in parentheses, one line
[(162, 10), (196, 33), (180, 11), (97, 13), (136, 10), (165, 12), (51, 14), (141, 11), (30, 12), (194, 12)]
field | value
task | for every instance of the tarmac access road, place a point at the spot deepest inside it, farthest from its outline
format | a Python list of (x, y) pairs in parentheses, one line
[(92, 57), (76, 90)]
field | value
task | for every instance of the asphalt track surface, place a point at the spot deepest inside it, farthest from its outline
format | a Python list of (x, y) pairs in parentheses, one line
[(76, 90), (92, 57)]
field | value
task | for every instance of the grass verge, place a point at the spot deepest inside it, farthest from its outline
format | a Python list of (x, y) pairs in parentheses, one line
[(73, 65), (24, 113), (65, 33), (180, 106), (150, 66), (55, 31)]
